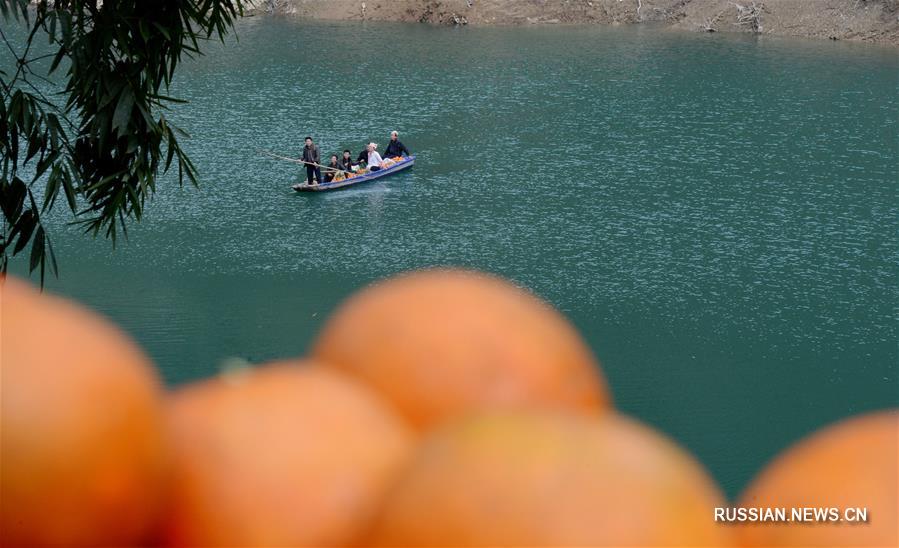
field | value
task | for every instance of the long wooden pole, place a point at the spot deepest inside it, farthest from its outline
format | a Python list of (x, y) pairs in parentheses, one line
[(297, 161)]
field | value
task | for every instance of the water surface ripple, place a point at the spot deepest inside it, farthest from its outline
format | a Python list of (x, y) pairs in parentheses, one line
[(717, 214)]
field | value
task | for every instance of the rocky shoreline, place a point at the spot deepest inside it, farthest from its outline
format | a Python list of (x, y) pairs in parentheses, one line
[(875, 21)]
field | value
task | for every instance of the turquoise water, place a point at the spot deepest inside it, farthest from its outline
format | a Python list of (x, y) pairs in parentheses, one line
[(717, 214)]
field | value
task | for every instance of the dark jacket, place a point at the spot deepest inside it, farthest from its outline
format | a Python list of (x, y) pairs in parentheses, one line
[(363, 157), (311, 154), (346, 165), (329, 175), (396, 148)]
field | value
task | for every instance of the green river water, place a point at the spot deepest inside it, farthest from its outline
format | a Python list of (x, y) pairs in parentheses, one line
[(717, 214)]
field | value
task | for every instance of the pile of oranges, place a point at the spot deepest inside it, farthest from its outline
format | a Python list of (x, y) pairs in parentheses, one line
[(437, 408)]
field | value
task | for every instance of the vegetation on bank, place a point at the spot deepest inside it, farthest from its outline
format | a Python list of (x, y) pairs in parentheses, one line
[(861, 20)]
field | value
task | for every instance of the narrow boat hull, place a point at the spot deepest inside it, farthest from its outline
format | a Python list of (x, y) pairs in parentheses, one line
[(405, 163)]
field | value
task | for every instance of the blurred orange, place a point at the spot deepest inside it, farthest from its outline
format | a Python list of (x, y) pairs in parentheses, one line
[(82, 453), (283, 455), (439, 342), (529, 479), (852, 464)]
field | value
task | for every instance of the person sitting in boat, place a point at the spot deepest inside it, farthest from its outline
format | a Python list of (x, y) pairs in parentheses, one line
[(311, 158), (346, 163), (395, 147), (335, 169), (362, 159), (375, 162)]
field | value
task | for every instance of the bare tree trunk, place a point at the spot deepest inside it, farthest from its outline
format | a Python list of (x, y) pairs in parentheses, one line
[(750, 16)]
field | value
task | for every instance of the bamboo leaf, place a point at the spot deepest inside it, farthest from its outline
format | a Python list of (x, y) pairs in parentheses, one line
[(37, 250), (123, 109), (24, 227), (12, 199)]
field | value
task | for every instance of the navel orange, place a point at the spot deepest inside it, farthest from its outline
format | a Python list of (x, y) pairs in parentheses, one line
[(82, 459), (850, 466), (281, 455), (437, 343), (529, 479)]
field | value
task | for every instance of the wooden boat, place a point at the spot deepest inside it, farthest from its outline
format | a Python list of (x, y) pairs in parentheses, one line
[(400, 165)]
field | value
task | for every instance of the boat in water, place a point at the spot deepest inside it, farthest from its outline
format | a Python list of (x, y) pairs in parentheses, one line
[(358, 178)]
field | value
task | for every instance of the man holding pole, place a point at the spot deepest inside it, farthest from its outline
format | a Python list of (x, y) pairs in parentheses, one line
[(312, 159)]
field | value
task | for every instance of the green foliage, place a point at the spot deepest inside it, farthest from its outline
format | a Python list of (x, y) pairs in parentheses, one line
[(100, 135)]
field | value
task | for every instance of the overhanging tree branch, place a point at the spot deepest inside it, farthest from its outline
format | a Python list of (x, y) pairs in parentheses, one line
[(105, 141)]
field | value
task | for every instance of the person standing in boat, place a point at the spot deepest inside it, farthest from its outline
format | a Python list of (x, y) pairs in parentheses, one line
[(395, 147), (312, 156), (374, 159)]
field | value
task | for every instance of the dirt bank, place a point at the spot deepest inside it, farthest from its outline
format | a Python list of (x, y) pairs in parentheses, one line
[(860, 20)]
